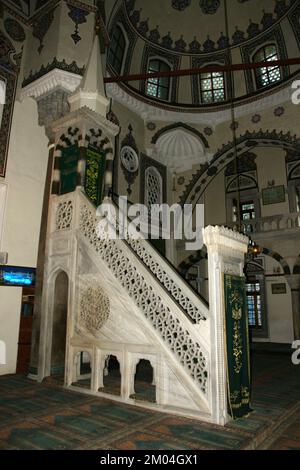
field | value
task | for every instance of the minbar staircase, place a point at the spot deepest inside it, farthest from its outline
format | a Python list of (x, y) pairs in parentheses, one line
[(126, 300)]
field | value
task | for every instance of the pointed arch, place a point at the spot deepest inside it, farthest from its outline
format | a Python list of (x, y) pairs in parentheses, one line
[(245, 143)]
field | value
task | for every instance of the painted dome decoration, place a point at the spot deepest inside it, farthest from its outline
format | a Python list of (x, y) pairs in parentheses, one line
[(172, 35)]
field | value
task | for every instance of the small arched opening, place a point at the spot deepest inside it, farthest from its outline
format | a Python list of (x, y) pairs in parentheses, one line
[(82, 374), (144, 382), (111, 376)]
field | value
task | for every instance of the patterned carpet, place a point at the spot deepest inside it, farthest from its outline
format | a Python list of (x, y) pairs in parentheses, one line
[(44, 416)]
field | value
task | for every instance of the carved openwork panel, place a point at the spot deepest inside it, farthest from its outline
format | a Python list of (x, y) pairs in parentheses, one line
[(64, 215), (178, 338), (94, 307)]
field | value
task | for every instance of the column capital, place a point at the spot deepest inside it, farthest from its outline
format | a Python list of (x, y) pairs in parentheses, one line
[(222, 240)]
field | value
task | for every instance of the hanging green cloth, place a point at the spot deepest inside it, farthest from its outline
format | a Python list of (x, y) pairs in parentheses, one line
[(68, 169), (238, 364), (94, 176)]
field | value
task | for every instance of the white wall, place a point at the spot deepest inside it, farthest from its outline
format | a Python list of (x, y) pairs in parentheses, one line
[(280, 316), (10, 307), (24, 180), (3, 188)]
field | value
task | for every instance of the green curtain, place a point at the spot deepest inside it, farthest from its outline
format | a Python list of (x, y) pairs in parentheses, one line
[(94, 176), (237, 339), (68, 169)]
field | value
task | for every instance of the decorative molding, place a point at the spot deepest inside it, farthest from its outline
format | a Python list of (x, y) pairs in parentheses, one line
[(208, 7), (217, 237), (48, 82), (149, 111)]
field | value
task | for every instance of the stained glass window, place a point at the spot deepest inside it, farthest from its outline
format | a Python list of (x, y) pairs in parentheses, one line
[(117, 49), (158, 87), (254, 303), (267, 75), (212, 87)]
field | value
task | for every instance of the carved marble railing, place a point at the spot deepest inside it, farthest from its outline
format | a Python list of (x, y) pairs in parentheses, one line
[(166, 275), (187, 340), (193, 307), (273, 223)]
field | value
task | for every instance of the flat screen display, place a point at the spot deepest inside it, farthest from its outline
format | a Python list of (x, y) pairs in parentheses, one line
[(17, 276)]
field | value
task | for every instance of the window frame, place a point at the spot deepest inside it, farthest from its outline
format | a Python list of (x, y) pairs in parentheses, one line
[(258, 312), (258, 72), (213, 89), (114, 53), (258, 276), (152, 169), (158, 85)]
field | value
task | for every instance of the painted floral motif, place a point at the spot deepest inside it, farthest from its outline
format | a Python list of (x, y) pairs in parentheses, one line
[(78, 16), (209, 7), (279, 111), (180, 5), (256, 118), (14, 29)]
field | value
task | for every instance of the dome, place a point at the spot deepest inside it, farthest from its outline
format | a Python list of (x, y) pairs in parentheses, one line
[(179, 149), (176, 35)]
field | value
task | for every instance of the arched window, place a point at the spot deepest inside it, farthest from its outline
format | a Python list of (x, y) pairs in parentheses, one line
[(267, 75), (117, 49), (158, 87), (212, 87), (153, 187)]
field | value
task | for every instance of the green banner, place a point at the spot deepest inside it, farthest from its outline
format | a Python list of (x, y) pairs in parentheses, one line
[(94, 176), (238, 364)]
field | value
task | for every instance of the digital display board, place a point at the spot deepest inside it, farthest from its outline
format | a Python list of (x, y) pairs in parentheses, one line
[(17, 276)]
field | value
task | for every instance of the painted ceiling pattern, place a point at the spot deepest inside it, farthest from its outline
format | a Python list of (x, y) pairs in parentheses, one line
[(198, 26), (26, 7)]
